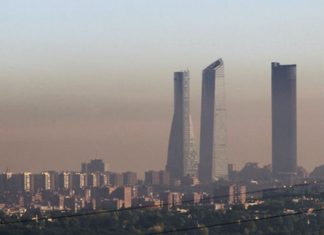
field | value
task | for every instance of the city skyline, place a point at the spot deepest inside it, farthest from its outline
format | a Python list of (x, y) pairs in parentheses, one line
[(93, 79), (158, 117), (182, 159), (191, 127)]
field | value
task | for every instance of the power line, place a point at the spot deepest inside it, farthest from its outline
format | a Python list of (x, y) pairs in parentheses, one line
[(46, 218), (237, 222)]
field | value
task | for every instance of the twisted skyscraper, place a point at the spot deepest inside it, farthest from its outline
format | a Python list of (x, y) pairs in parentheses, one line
[(213, 161), (182, 153)]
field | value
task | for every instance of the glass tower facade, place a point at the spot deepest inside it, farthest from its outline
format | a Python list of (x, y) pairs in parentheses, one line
[(284, 138), (213, 160), (182, 152)]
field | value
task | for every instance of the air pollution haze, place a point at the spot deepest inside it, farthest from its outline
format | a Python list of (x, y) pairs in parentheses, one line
[(80, 80)]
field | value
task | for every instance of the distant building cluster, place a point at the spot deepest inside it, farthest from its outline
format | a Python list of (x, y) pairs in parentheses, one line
[(95, 188), (211, 164), (92, 187)]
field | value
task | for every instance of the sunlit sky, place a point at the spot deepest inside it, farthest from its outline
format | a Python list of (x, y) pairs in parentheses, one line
[(84, 79)]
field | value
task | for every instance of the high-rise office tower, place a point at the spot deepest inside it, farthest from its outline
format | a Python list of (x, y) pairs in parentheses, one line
[(213, 160), (182, 152), (283, 91), (95, 165)]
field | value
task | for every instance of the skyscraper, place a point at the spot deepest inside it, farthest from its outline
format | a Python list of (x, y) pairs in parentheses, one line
[(213, 160), (182, 154), (284, 154)]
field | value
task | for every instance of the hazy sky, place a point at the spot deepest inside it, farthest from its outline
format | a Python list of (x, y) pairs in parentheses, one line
[(84, 79)]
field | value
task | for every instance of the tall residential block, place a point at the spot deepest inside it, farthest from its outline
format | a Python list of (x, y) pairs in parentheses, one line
[(213, 163), (284, 138), (182, 153), (130, 178)]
